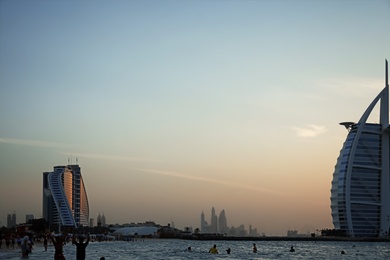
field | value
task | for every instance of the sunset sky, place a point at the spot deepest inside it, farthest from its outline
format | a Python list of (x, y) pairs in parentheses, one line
[(173, 107)]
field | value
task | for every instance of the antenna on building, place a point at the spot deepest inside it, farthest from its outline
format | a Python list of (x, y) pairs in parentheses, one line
[(68, 160), (387, 74), (77, 160)]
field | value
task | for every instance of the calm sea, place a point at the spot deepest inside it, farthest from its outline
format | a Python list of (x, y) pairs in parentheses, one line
[(176, 249)]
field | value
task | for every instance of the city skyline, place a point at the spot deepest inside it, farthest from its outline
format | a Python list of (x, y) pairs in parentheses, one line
[(174, 107)]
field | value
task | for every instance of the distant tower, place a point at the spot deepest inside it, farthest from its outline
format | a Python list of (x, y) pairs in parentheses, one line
[(103, 220), (11, 220), (202, 226), (29, 217), (222, 221), (99, 220), (214, 222)]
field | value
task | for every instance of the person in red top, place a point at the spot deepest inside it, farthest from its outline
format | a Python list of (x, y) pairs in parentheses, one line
[(58, 243)]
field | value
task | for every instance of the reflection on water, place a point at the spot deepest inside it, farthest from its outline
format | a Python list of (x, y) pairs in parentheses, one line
[(176, 249)]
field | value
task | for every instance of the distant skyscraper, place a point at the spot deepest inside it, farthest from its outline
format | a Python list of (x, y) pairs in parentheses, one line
[(214, 222), (202, 223), (11, 220), (222, 223), (104, 220), (29, 217), (65, 199), (99, 220), (360, 194)]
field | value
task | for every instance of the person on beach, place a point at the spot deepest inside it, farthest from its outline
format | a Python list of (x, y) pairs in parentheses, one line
[(7, 241), (13, 238), (228, 251), (58, 243), (45, 241), (25, 246), (31, 242), (80, 246), (254, 248), (213, 250)]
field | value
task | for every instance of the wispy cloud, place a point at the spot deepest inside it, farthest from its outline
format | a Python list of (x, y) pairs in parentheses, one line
[(109, 157), (210, 180), (309, 130), (39, 143), (36, 143)]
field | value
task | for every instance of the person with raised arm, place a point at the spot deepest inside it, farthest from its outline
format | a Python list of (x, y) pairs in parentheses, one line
[(80, 246), (58, 243)]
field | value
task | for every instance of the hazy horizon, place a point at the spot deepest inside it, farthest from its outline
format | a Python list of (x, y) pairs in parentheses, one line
[(173, 107)]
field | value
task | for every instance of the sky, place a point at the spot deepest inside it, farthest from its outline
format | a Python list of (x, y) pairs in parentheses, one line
[(174, 107)]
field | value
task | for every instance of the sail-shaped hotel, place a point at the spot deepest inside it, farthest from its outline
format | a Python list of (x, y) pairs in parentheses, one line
[(360, 194), (64, 200)]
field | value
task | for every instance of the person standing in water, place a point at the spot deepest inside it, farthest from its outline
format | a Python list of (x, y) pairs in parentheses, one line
[(45, 242), (58, 243), (213, 250), (254, 248), (80, 247)]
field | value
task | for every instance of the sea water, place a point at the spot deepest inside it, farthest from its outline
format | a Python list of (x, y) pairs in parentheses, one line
[(176, 249)]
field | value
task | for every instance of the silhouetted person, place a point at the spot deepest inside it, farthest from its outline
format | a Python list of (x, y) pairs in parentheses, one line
[(45, 242), (25, 246), (254, 248), (342, 252), (13, 242), (189, 249), (58, 243), (292, 249), (228, 251), (80, 247)]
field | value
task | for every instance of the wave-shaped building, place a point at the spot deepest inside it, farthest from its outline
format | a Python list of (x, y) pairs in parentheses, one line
[(64, 200), (360, 194)]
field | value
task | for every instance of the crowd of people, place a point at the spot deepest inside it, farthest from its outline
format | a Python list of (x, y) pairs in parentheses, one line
[(25, 241)]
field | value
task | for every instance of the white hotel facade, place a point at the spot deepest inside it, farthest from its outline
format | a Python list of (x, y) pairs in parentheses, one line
[(360, 193)]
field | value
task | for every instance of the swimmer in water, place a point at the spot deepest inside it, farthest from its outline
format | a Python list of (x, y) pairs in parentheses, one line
[(254, 248), (213, 250)]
